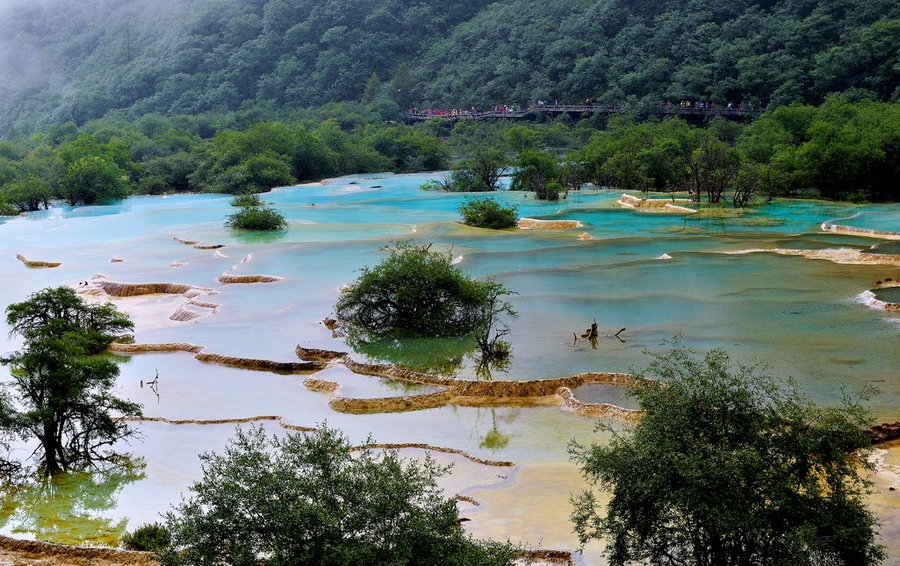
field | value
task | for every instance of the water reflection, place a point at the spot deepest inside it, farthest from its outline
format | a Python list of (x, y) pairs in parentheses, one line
[(495, 439), (442, 356), (69, 508)]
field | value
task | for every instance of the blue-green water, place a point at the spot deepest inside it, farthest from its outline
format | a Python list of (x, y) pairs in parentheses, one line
[(883, 221), (654, 275)]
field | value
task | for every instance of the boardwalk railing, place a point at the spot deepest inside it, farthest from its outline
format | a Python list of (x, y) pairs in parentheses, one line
[(669, 109)]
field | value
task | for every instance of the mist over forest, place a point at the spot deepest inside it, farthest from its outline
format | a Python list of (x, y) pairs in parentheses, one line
[(64, 61)]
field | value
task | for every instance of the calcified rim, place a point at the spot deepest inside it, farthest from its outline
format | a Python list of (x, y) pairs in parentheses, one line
[(299, 428), (462, 392), (653, 205), (844, 256), (538, 224), (197, 245), (830, 226), (869, 298), (36, 263)]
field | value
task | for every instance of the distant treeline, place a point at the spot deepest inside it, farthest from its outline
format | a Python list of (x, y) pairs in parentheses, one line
[(64, 61), (226, 153), (840, 150)]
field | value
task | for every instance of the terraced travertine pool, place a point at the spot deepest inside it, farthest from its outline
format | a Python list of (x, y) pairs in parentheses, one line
[(765, 283)]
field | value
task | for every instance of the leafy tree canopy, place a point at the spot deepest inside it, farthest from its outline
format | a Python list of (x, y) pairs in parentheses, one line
[(307, 499), (59, 313), (256, 218), (730, 466), (61, 393), (488, 212), (415, 292)]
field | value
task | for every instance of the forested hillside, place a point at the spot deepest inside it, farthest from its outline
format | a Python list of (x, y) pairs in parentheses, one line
[(74, 61)]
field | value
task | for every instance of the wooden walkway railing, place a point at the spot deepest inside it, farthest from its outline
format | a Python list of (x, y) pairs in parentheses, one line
[(674, 110)]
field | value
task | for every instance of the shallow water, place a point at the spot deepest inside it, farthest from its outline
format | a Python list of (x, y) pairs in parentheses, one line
[(655, 275)]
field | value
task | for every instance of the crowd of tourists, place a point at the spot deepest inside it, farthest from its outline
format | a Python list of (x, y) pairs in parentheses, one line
[(683, 106), (463, 113), (686, 104)]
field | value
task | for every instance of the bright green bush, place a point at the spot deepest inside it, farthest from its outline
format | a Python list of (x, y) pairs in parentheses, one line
[(298, 499), (488, 212), (256, 218), (417, 292)]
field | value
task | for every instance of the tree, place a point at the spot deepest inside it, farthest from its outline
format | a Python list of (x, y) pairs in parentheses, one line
[(414, 292), (712, 168), (493, 328), (488, 213), (93, 179), (256, 218), (28, 194), (481, 171), (573, 173), (537, 171), (58, 313), (730, 466), (246, 199), (61, 394), (372, 90), (309, 499)]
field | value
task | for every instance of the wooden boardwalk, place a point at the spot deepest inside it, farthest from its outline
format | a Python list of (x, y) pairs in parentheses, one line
[(575, 109)]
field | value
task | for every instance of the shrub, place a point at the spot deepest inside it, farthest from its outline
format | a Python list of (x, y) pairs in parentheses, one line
[(488, 212), (416, 292), (148, 538), (256, 218), (730, 466), (550, 191), (247, 199), (313, 499)]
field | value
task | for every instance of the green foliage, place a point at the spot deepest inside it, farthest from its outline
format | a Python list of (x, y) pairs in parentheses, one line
[(730, 466), (58, 313), (89, 180), (840, 148), (307, 499), (537, 171), (520, 138), (712, 168), (105, 159), (644, 156), (246, 199), (28, 194), (481, 171), (61, 394), (256, 218), (152, 537), (488, 212), (408, 149), (269, 56), (774, 52), (414, 292)]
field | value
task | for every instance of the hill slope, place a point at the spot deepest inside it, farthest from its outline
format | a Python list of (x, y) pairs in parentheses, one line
[(66, 61)]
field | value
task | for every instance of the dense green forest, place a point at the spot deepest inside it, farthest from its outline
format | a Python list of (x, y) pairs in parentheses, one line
[(838, 150), (76, 61)]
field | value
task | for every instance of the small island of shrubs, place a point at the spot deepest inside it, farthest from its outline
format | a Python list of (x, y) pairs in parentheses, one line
[(254, 215), (488, 212)]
